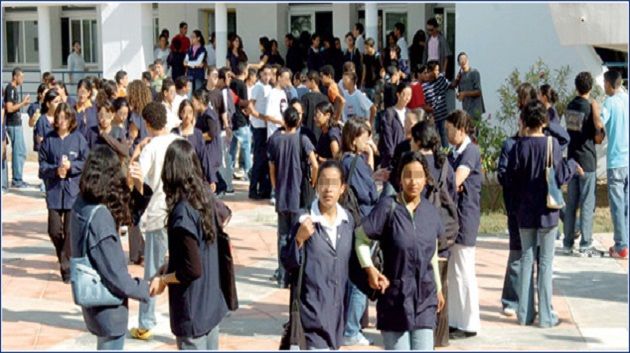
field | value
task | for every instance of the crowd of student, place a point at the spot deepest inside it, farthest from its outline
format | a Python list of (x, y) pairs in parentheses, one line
[(315, 134)]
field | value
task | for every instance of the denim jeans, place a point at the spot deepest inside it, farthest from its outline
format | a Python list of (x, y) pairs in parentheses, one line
[(441, 126), (529, 239), (415, 340), (242, 141), (110, 343), (226, 169), (286, 221), (197, 84), (155, 247), (581, 195), (260, 184), (18, 151), (209, 341), (618, 199), (356, 303), (511, 285), (5, 175)]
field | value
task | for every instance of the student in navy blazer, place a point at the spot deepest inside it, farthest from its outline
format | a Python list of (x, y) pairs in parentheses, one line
[(87, 116), (102, 178), (392, 125), (195, 60), (322, 243), (61, 158)]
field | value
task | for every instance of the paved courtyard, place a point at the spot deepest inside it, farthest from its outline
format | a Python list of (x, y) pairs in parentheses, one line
[(590, 294)]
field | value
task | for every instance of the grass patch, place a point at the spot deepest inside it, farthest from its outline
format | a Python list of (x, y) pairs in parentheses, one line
[(496, 222)]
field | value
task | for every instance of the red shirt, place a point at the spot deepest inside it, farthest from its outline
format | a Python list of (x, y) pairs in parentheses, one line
[(185, 43), (417, 96)]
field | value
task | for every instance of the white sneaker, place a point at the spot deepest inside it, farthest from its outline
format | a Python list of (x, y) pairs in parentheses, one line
[(509, 312), (272, 201), (358, 340)]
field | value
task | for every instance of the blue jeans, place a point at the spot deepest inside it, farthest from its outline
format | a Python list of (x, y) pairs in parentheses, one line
[(242, 141), (356, 303), (618, 199), (5, 175), (529, 240), (226, 169), (441, 126), (18, 151), (581, 195), (155, 247), (110, 343), (209, 341), (415, 340), (511, 284)]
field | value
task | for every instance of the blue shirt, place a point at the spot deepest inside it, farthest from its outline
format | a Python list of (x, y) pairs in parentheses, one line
[(615, 118), (361, 182), (42, 129)]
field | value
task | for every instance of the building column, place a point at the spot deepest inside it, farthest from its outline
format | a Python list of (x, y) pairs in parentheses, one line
[(341, 23), (43, 33), (220, 29), (371, 21)]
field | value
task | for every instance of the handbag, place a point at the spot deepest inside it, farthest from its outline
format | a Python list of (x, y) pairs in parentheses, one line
[(87, 288), (226, 267), (555, 199), (293, 337)]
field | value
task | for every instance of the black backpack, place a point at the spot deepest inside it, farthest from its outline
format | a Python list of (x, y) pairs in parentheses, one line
[(440, 197)]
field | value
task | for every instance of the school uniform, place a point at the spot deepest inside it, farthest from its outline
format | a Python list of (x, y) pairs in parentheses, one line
[(325, 257), (195, 139), (104, 249), (392, 132), (408, 241), (196, 75), (42, 128), (61, 193), (196, 304), (537, 223), (463, 297), (435, 174), (361, 182), (509, 295), (285, 151), (325, 139), (310, 101), (556, 130), (208, 122), (86, 118), (141, 125), (116, 140)]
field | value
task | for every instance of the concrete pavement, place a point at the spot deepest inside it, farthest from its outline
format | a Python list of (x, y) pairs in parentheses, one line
[(590, 294)]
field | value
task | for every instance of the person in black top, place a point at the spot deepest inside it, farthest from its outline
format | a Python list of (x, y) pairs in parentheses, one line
[(12, 107), (240, 121), (196, 302), (352, 54), (311, 100), (275, 57), (372, 72), (314, 58), (294, 58), (416, 50), (583, 121)]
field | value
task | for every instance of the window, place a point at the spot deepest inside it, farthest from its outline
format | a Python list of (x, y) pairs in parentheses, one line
[(231, 23), (84, 31), (301, 23), (22, 42)]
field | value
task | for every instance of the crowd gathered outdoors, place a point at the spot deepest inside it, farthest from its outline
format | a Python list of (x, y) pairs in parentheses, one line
[(317, 132)]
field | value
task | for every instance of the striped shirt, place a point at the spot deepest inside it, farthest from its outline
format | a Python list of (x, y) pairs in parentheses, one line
[(435, 96)]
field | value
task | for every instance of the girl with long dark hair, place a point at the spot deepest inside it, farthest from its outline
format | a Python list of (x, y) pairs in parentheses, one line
[(329, 143)]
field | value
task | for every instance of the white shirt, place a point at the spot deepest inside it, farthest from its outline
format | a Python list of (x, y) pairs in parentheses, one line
[(212, 56), (76, 63), (260, 94), (404, 50), (330, 229), (276, 105), (161, 54), (433, 45), (401, 115), (357, 105), (172, 119), (178, 101), (360, 44), (151, 163)]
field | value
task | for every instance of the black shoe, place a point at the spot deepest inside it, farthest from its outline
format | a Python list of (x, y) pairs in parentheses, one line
[(457, 334), (229, 191)]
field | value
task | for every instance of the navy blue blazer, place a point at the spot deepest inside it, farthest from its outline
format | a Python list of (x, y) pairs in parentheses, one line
[(108, 259), (61, 193), (324, 282), (392, 133), (86, 120)]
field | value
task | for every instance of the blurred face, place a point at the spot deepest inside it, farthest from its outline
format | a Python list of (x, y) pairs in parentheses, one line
[(361, 141), (121, 115), (329, 187), (265, 76), (125, 81), (350, 42), (159, 69), (338, 44), (194, 39), (299, 109), (463, 62), (436, 71), (52, 105), (213, 78), (348, 84), (236, 43), (77, 48), (62, 123), (199, 106), (405, 96), (274, 46), (187, 115), (83, 94), (321, 119), (19, 78), (455, 136), (105, 118), (431, 30), (316, 42), (162, 42), (183, 30), (288, 43), (170, 94), (413, 180)]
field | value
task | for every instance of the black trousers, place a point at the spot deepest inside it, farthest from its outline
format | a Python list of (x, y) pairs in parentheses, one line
[(260, 184), (59, 233), (440, 334), (136, 244)]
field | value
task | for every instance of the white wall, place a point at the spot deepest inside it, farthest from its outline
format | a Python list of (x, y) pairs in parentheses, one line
[(254, 21)]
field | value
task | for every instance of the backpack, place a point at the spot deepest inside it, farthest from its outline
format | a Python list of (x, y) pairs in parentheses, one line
[(440, 197)]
